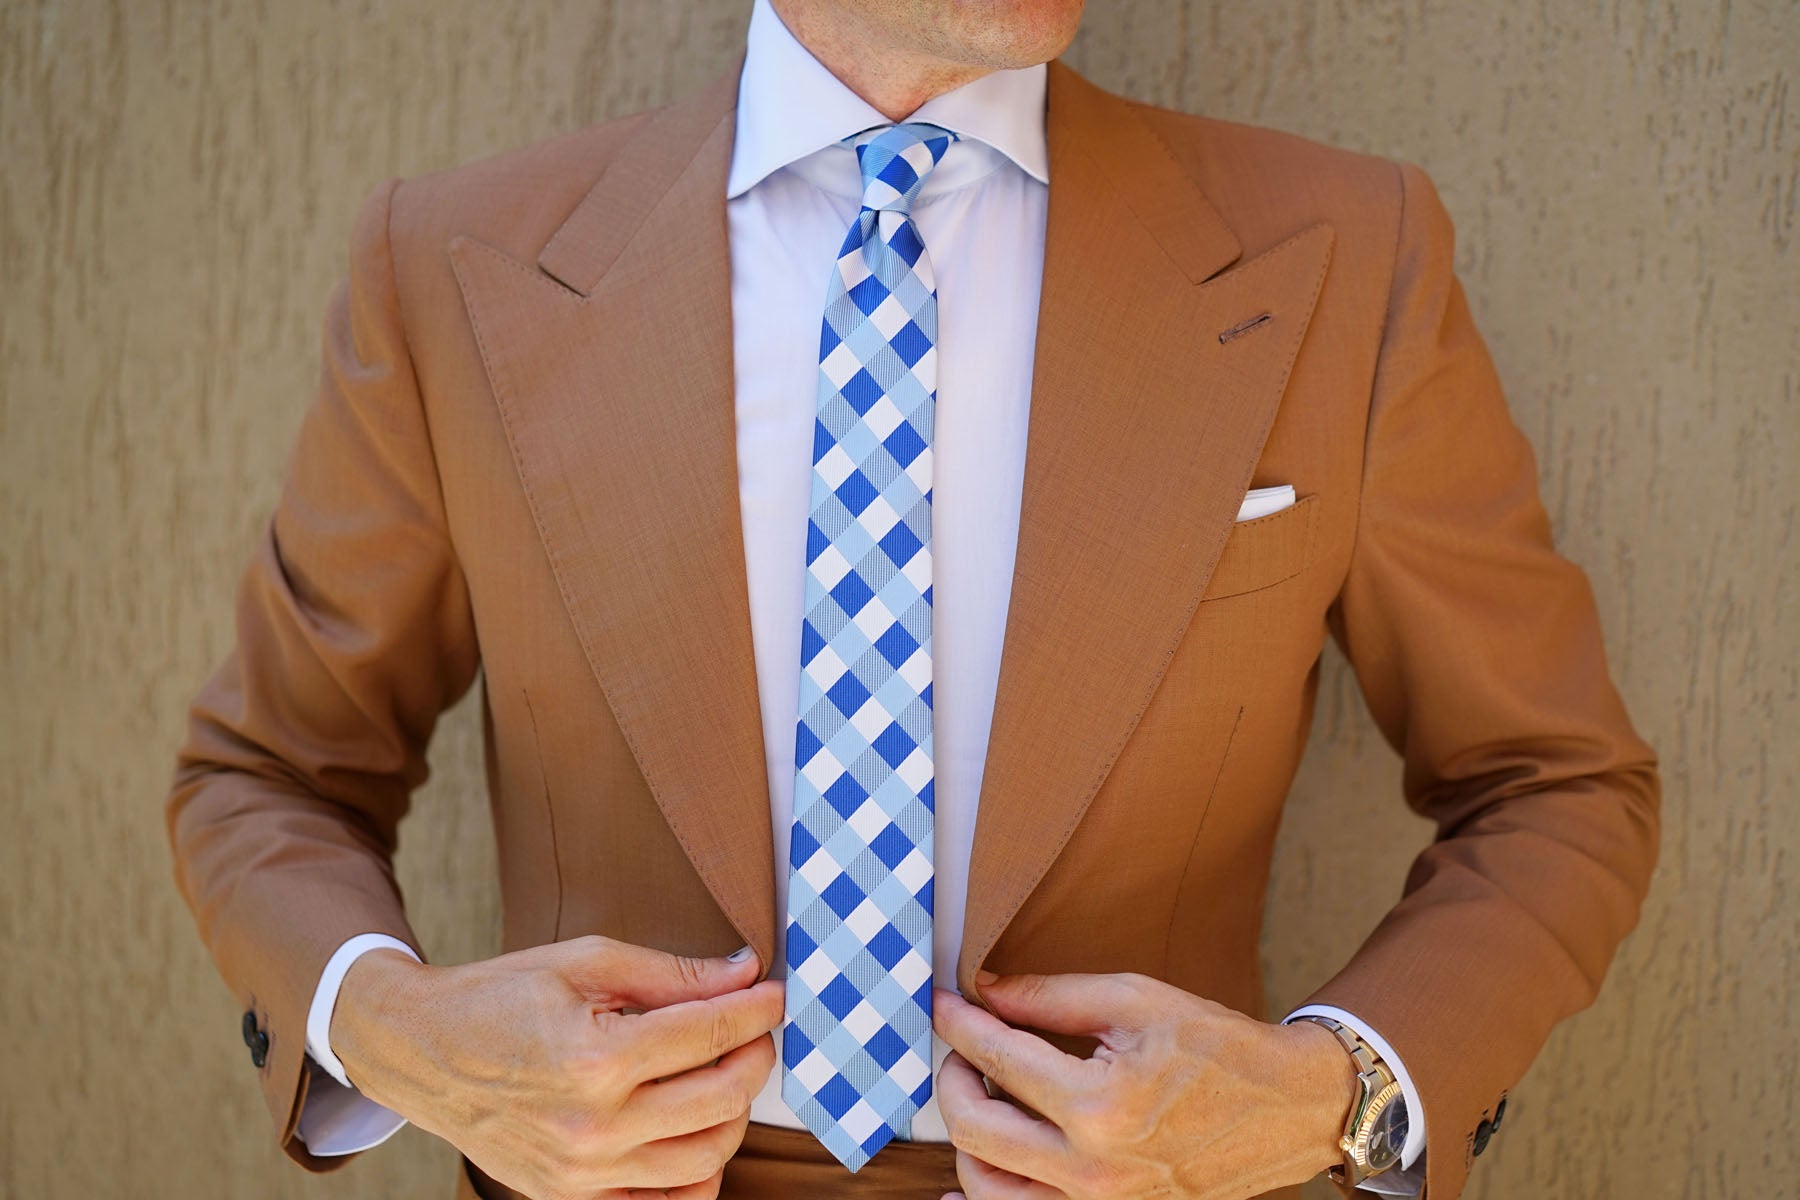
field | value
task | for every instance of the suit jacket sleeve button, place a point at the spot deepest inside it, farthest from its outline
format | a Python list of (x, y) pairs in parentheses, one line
[(1499, 1114), (259, 1049), (249, 1029), (1483, 1132)]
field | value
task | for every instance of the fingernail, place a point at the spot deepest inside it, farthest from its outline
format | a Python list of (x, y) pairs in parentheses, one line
[(740, 954), (985, 977)]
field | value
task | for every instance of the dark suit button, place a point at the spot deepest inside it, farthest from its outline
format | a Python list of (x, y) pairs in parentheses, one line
[(1483, 1132), (259, 1049), (250, 1029), (1499, 1113)]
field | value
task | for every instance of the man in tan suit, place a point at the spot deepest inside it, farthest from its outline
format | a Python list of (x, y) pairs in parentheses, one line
[(560, 442)]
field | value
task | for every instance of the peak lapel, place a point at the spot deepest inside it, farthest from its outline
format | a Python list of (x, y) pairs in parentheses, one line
[(612, 370), (1145, 427)]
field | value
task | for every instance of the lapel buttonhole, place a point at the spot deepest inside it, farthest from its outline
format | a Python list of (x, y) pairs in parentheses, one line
[(1243, 327)]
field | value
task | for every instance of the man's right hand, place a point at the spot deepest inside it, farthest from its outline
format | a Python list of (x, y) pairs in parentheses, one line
[(530, 1066)]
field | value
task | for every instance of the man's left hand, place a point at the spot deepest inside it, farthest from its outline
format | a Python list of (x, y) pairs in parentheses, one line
[(1182, 1098)]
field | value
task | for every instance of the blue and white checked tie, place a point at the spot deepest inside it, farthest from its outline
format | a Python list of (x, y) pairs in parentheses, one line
[(856, 1041)]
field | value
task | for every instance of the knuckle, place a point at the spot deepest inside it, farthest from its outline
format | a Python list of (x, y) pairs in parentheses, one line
[(1098, 1177), (684, 1171), (739, 1095), (691, 971), (556, 1183), (998, 1059), (1111, 1126), (733, 1133), (721, 1031), (592, 947), (954, 1119), (967, 1135), (949, 1101), (972, 1176), (1028, 989), (1099, 1115), (575, 1132), (585, 961), (576, 1180), (1124, 1123), (589, 1061), (1125, 989), (723, 1104), (1133, 983), (715, 1148)]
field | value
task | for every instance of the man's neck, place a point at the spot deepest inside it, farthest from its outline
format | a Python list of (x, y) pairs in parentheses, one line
[(894, 79)]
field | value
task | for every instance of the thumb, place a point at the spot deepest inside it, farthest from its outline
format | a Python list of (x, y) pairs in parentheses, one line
[(619, 974), (1090, 1005)]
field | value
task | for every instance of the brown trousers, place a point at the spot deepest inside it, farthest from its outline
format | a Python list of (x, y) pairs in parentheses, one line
[(776, 1163)]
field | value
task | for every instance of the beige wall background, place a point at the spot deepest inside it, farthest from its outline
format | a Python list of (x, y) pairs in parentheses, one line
[(177, 180)]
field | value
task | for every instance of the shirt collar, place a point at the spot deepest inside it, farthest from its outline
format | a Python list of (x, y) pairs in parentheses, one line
[(790, 105)]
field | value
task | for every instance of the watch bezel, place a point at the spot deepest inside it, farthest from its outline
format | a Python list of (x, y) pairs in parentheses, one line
[(1358, 1147)]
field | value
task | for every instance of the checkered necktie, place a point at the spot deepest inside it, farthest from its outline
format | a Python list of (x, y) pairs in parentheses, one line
[(856, 1042)]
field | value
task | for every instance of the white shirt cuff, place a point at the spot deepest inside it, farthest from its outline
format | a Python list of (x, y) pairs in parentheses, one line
[(336, 1118), (1402, 1176)]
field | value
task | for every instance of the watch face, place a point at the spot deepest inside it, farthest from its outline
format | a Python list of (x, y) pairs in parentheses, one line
[(1388, 1137)]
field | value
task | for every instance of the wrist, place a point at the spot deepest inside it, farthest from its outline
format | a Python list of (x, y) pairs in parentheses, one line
[(1325, 1091), (372, 990)]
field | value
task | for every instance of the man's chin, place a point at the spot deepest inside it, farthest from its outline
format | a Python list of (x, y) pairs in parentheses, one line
[(1008, 35)]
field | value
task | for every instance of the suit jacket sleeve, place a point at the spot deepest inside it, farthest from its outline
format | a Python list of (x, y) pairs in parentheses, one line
[(1478, 650), (354, 632)]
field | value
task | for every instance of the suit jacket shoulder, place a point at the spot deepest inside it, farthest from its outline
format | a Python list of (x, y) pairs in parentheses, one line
[(513, 199), (1266, 182)]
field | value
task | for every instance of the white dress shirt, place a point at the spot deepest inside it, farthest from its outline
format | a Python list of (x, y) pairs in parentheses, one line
[(792, 192)]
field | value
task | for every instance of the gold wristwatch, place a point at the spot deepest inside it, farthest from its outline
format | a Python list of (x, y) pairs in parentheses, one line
[(1375, 1134)]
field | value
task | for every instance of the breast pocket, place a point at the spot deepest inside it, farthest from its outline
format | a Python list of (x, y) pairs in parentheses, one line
[(1263, 552)]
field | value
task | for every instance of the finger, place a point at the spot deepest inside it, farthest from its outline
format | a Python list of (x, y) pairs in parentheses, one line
[(668, 1041), (983, 1181), (706, 1189), (703, 1096), (615, 974), (684, 1160), (1078, 1004), (993, 1130), (1022, 1063)]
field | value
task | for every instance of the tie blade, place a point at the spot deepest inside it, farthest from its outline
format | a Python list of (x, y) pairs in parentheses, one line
[(852, 1133)]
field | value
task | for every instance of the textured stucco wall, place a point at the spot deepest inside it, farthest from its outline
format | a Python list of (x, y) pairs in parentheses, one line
[(177, 180)]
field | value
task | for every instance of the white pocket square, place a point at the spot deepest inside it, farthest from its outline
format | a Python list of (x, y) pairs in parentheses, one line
[(1260, 502)]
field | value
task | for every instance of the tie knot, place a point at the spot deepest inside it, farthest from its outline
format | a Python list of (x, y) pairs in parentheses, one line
[(895, 160)]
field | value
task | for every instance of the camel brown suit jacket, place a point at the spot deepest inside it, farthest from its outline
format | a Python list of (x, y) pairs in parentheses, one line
[(520, 466)]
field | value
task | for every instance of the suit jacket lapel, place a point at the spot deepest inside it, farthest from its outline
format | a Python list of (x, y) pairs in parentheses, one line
[(1145, 427), (613, 373)]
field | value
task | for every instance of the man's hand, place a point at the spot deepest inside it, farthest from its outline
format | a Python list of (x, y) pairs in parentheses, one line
[(1182, 1098), (528, 1064)]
